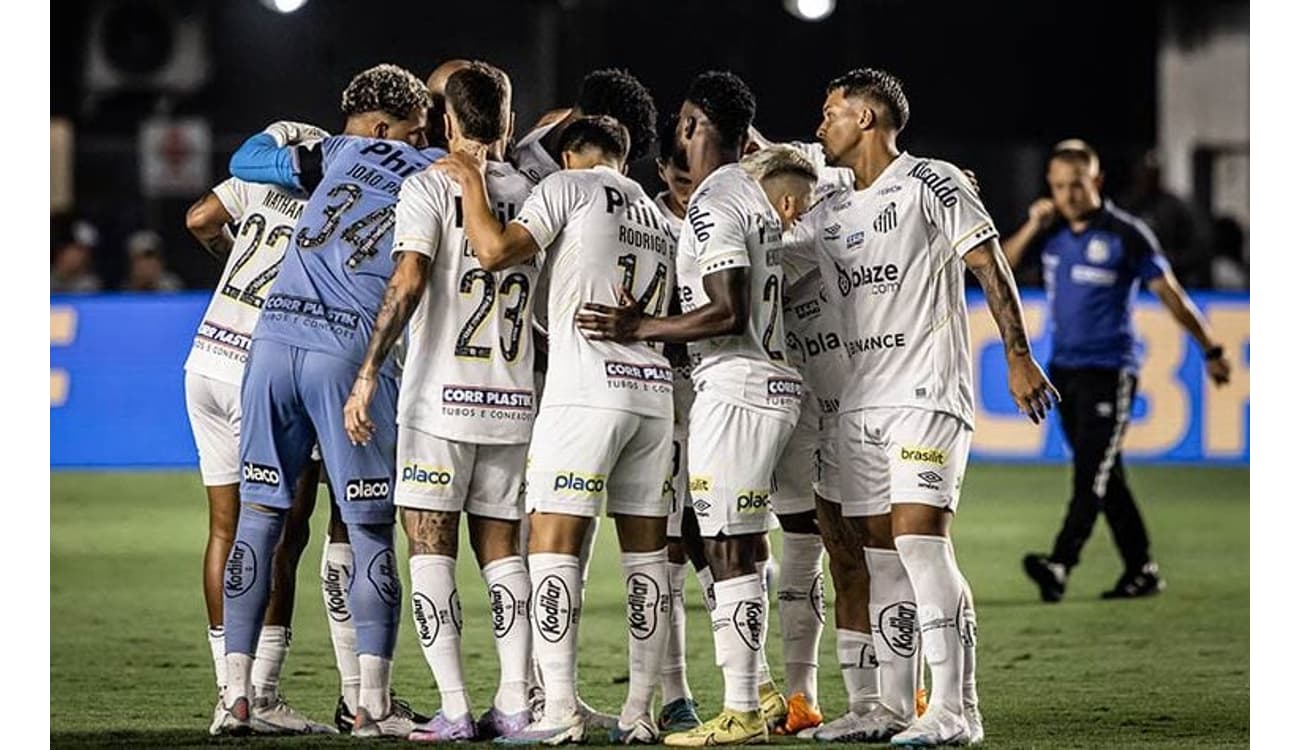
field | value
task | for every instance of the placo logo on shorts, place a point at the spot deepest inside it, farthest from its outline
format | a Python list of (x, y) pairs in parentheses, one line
[(923, 455), (643, 605), (590, 484), (366, 489), (261, 474), (897, 623), (553, 608), (432, 476), (241, 569), (753, 501), (701, 483)]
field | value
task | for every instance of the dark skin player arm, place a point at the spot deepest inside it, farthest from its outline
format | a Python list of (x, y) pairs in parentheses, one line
[(726, 314)]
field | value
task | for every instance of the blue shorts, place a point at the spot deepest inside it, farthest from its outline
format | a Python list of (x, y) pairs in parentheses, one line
[(293, 398)]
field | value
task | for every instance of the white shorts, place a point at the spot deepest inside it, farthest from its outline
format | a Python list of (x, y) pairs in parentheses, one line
[(792, 482), (434, 473), (583, 457), (213, 406), (677, 489), (826, 461), (901, 455), (731, 457)]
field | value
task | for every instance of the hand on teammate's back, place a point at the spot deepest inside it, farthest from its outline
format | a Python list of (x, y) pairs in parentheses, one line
[(615, 323), (463, 167), (1033, 393)]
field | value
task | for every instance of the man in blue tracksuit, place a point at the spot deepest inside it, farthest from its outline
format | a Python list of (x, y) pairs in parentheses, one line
[(1094, 257)]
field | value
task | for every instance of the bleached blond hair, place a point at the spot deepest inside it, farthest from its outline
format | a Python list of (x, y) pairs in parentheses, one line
[(779, 160)]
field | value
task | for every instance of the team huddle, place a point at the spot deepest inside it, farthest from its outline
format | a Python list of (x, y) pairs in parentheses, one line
[(442, 321)]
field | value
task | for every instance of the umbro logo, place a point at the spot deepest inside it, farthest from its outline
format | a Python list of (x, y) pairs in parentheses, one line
[(886, 219), (930, 480)]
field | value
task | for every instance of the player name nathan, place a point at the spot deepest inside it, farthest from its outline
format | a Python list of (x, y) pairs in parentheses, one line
[(468, 395)]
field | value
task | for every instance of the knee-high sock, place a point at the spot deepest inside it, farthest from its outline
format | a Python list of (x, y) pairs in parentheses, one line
[(336, 574), (705, 577), (435, 607), (673, 674), (508, 590), (217, 645), (764, 669), (857, 656), (799, 604), (739, 627), (648, 594), (969, 695), (556, 610), (247, 593), (588, 546), (272, 649), (894, 630), (376, 601), (940, 598)]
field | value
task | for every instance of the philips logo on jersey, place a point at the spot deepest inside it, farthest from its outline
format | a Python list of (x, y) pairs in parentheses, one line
[(590, 484), (942, 187), (923, 455), (433, 476), (366, 489), (496, 397), (876, 343), (260, 474), (880, 279), (753, 501)]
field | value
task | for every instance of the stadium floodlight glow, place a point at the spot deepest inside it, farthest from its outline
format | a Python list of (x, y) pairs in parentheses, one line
[(810, 10), (284, 6)]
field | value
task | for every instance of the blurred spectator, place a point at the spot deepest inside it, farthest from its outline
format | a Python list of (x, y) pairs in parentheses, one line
[(72, 269), (1229, 268), (147, 271), (1180, 228)]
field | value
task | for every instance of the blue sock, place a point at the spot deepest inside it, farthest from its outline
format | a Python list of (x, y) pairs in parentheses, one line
[(248, 576), (376, 594)]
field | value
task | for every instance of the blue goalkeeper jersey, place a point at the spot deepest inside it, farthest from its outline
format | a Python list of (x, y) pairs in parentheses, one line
[(334, 273)]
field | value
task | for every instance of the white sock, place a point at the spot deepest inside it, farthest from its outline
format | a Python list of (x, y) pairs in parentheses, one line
[(764, 670), (376, 673), (969, 695), (508, 590), (435, 606), (739, 627), (588, 546), (556, 606), (646, 574), (335, 579), (705, 577), (272, 648), (239, 669), (939, 601), (799, 606), (673, 674), (894, 629), (857, 655), (217, 644)]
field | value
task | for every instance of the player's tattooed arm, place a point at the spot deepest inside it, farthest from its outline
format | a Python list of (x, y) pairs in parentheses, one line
[(725, 314), (1032, 392), (208, 220), (400, 298)]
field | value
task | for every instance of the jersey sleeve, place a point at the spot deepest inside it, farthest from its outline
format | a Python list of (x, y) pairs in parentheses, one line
[(1145, 250), (954, 209), (716, 224), (548, 208), (418, 227), (234, 197)]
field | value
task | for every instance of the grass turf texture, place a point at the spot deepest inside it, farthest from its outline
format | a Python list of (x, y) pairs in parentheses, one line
[(129, 663)]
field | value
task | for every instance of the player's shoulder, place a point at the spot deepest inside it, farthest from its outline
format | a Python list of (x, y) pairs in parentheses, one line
[(1131, 228), (503, 178), (726, 185)]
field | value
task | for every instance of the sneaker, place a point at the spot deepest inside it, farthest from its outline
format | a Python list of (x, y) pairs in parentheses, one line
[(727, 728), (496, 723), (800, 715), (395, 724), (878, 724), (234, 720), (596, 719), (1145, 581), (536, 702), (642, 732), (679, 716), (442, 729), (772, 704), (276, 716), (938, 727), (548, 732), (218, 711), (344, 719), (975, 721), (1050, 576)]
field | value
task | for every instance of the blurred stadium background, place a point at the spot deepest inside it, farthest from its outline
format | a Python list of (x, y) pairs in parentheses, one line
[(150, 97)]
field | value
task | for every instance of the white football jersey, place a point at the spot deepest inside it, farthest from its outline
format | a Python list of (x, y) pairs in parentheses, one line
[(469, 365), (600, 232), (813, 341), (731, 224), (890, 256), (266, 216), (532, 159), (683, 391)]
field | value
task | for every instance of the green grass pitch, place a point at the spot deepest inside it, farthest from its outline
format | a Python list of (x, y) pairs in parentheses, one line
[(129, 662)]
